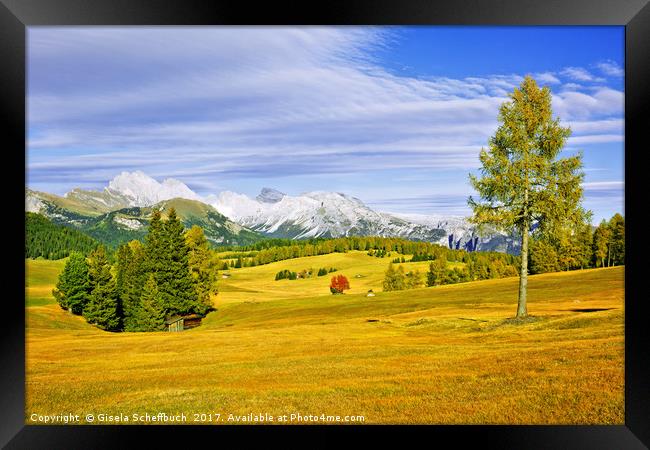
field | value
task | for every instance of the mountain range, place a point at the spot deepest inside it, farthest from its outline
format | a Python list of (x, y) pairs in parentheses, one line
[(121, 212)]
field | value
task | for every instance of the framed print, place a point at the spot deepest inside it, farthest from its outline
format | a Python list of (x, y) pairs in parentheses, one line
[(364, 218)]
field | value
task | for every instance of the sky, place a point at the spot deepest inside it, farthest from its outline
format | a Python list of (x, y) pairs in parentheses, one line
[(395, 116)]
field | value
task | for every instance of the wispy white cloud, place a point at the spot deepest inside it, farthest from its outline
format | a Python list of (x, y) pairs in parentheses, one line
[(572, 87), (610, 68), (595, 139), (574, 105), (547, 77), (580, 74), (598, 126), (604, 185)]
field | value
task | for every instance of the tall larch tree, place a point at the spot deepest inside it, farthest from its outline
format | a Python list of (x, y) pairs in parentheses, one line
[(523, 181)]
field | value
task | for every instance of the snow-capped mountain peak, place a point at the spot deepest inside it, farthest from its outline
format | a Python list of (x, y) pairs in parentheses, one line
[(315, 214), (135, 189), (334, 214), (144, 190)]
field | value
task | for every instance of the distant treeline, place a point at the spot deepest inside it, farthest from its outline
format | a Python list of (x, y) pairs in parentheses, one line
[(477, 266), (421, 251), (47, 240), (580, 249), (269, 243)]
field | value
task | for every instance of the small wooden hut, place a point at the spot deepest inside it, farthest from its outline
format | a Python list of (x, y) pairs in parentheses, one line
[(180, 323)]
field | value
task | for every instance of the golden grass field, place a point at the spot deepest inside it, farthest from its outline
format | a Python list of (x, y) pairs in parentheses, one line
[(442, 355)]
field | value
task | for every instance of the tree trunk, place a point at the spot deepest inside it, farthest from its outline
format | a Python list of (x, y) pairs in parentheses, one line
[(523, 276)]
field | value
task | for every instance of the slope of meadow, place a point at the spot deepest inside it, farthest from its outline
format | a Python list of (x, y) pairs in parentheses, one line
[(438, 355), (364, 272)]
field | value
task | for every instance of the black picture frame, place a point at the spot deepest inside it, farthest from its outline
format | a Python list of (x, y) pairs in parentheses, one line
[(16, 15)]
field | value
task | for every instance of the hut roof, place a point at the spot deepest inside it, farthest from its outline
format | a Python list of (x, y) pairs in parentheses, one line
[(193, 316), (175, 319)]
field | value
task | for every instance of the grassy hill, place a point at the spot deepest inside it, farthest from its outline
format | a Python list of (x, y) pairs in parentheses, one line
[(447, 354), (41, 277), (56, 204), (364, 272)]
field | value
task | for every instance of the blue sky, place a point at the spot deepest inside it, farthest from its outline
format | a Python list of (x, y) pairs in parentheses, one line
[(395, 116)]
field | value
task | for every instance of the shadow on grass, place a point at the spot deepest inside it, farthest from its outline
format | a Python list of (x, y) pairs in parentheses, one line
[(587, 310)]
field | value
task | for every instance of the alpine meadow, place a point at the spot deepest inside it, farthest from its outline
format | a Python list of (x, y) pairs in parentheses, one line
[(444, 241)]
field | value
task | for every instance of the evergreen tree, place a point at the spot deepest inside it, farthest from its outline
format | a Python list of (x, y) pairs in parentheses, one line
[(150, 315), (102, 307), (523, 183), (175, 283), (130, 279), (72, 290), (156, 246)]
